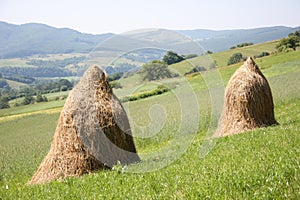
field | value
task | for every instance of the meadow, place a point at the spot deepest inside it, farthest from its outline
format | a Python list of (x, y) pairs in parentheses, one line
[(172, 135)]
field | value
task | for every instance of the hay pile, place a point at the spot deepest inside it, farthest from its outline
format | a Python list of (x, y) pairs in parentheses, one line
[(93, 132), (248, 101)]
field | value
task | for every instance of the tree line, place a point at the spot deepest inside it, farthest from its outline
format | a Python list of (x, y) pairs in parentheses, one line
[(34, 93)]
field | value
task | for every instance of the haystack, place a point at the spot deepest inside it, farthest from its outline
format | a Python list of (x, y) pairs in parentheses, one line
[(93, 132), (248, 101)]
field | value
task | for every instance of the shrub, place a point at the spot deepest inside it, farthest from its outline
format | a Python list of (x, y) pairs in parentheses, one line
[(40, 98), (3, 83), (261, 55), (189, 56), (172, 58), (291, 42), (115, 84), (63, 88), (235, 58), (115, 76), (4, 102), (159, 90), (196, 69), (242, 45), (28, 100), (155, 70)]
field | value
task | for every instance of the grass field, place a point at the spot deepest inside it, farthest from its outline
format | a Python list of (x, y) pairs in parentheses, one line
[(15, 84), (170, 134)]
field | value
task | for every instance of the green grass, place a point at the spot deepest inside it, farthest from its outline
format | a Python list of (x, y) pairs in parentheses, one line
[(262, 164), (53, 96), (15, 84), (13, 62), (222, 57), (53, 103), (31, 108), (21, 62), (170, 131)]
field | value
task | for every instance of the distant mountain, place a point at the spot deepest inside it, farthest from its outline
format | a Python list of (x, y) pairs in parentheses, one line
[(152, 38), (28, 39), (223, 40)]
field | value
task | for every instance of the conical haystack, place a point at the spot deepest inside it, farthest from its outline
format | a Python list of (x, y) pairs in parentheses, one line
[(93, 132), (248, 101)]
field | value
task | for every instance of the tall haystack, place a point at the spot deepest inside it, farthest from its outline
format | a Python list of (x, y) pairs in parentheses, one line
[(248, 101), (93, 132)]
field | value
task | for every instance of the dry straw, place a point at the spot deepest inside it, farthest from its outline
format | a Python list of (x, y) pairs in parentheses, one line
[(248, 101), (93, 132)]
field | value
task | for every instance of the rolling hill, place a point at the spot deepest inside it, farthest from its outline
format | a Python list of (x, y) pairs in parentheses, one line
[(33, 38), (224, 39), (28, 39), (259, 164)]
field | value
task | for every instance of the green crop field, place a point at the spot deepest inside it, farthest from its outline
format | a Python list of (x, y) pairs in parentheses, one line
[(179, 159)]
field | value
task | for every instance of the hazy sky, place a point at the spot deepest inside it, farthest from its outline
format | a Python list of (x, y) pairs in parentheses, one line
[(117, 16)]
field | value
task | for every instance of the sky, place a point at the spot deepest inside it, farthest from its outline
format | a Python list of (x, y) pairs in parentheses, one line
[(119, 16)]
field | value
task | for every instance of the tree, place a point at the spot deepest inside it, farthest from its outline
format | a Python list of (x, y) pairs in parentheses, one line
[(297, 33), (28, 100), (3, 83), (291, 42), (235, 58), (172, 57), (64, 88), (155, 70), (64, 84), (4, 102), (40, 98), (115, 76)]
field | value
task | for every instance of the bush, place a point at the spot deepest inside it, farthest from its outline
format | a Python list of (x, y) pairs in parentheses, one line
[(63, 88), (4, 102), (28, 100), (291, 42), (159, 90), (155, 70), (262, 55), (196, 69), (235, 58), (242, 45), (115, 84), (189, 56), (40, 98), (3, 83), (172, 58), (115, 76)]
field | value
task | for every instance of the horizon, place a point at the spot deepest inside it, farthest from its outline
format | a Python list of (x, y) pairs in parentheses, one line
[(96, 17), (150, 28)]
